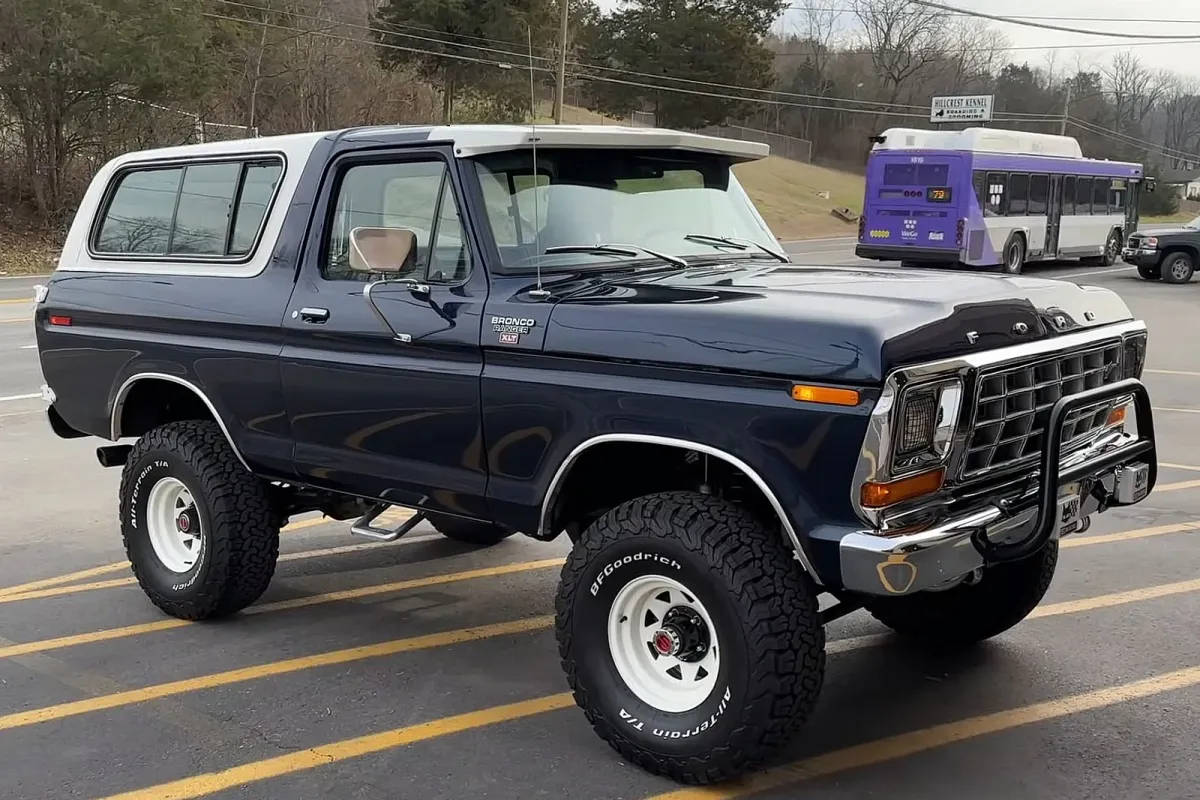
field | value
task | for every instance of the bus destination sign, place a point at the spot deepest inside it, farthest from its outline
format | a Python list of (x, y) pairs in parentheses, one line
[(963, 108)]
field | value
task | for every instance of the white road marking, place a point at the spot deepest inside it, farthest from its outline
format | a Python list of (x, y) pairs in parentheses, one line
[(1164, 408), (13, 397), (1091, 272), (27, 347)]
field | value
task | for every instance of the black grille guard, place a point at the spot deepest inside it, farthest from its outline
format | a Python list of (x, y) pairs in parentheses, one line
[(1052, 477)]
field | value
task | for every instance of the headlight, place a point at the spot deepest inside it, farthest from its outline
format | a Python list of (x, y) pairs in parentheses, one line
[(1133, 356), (926, 419)]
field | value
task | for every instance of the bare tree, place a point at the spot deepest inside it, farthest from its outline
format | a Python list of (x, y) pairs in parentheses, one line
[(1135, 90), (1181, 119)]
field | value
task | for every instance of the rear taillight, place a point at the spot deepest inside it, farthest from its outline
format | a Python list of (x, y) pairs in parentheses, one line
[(862, 227), (958, 233)]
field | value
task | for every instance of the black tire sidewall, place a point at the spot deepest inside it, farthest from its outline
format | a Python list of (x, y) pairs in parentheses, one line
[(674, 734), (1014, 243), (1167, 273), (144, 473)]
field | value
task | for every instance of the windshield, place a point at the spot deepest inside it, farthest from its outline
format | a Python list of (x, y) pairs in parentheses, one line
[(647, 199)]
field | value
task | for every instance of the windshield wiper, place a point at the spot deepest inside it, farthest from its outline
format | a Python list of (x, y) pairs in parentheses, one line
[(736, 243), (614, 249)]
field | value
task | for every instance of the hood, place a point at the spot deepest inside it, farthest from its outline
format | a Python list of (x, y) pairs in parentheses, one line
[(846, 324), (1182, 230)]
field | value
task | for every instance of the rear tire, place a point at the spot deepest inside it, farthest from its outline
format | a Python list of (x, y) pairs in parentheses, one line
[(1013, 255), (967, 614), (468, 531), (199, 530), (1177, 268), (689, 636)]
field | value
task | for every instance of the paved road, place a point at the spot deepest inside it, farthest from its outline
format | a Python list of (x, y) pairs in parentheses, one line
[(1096, 696)]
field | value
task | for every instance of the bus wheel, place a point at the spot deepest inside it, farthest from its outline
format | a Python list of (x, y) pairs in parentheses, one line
[(1014, 254), (1177, 268)]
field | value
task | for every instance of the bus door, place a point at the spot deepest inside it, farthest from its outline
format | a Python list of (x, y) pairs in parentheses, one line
[(1054, 207), (1132, 195)]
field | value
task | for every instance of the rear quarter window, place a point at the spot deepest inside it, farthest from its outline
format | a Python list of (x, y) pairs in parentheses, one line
[(207, 210)]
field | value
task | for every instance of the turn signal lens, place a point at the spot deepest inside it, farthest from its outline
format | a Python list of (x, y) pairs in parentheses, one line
[(1117, 416), (881, 495), (825, 394)]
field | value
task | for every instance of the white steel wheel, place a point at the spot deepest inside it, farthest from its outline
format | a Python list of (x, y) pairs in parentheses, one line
[(663, 644), (173, 525)]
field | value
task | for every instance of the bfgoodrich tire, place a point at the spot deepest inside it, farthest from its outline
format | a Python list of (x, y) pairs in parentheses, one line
[(467, 531), (970, 613), (689, 635), (199, 529)]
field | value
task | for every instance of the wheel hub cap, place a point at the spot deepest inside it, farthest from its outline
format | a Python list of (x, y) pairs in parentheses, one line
[(666, 642)]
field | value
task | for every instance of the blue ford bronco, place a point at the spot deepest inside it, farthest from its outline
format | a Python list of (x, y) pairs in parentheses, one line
[(586, 331)]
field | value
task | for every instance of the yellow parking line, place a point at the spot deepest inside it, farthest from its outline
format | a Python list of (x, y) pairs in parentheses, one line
[(1125, 536), (42, 588), (71, 576), (1172, 372), (1188, 467), (1174, 487), (906, 744), (1177, 410), (16, 301), (390, 648), (12, 321), (255, 771), (299, 602), (200, 785)]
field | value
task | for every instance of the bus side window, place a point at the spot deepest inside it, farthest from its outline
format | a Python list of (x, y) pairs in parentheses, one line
[(1083, 196), (1039, 194), (1068, 195), (1116, 197), (979, 184), (1018, 194), (997, 192), (1100, 196)]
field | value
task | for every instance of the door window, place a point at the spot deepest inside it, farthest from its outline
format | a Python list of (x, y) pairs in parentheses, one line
[(416, 196)]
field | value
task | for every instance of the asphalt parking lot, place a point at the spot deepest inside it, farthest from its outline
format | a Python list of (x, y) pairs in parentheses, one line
[(427, 669)]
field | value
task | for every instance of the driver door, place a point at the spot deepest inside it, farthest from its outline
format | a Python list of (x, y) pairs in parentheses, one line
[(381, 361)]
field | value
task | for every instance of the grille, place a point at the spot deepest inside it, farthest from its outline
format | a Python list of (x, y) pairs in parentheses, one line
[(1013, 407)]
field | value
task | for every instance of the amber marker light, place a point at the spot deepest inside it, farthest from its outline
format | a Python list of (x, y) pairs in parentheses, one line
[(880, 495), (1117, 416), (825, 395)]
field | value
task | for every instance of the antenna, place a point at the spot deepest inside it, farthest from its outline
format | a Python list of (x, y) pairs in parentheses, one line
[(539, 293)]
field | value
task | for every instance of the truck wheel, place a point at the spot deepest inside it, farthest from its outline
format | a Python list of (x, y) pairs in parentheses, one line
[(970, 613), (1150, 273), (199, 530), (1177, 268), (469, 532), (689, 635)]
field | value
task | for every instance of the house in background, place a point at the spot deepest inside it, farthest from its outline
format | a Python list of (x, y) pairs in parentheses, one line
[(1185, 181)]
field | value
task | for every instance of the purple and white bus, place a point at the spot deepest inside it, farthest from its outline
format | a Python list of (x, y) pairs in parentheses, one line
[(985, 197)]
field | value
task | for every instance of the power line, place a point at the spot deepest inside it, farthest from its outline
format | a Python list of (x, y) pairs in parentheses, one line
[(1151, 21), (1126, 139), (876, 106), (1045, 25), (597, 78)]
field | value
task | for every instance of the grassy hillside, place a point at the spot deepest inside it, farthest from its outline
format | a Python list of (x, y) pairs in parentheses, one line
[(789, 195)]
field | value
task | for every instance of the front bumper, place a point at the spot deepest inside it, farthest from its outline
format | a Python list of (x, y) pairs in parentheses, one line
[(1119, 470), (1141, 256)]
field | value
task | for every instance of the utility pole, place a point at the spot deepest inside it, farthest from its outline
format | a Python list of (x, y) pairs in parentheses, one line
[(1066, 111), (562, 62)]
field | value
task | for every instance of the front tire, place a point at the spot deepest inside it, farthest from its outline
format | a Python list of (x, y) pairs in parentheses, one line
[(689, 635), (971, 613), (1150, 273), (199, 530), (1177, 268)]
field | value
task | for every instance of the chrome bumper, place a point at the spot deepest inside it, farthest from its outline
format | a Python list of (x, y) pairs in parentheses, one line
[(1119, 472)]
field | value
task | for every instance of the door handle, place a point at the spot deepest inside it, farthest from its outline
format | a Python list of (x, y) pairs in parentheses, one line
[(314, 315)]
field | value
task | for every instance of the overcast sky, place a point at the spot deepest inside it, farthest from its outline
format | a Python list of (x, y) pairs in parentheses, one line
[(1180, 58)]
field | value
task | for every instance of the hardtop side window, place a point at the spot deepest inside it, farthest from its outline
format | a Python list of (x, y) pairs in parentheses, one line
[(211, 210), (415, 195), (1068, 194)]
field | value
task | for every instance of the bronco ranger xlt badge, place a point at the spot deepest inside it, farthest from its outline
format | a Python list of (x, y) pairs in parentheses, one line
[(724, 438)]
